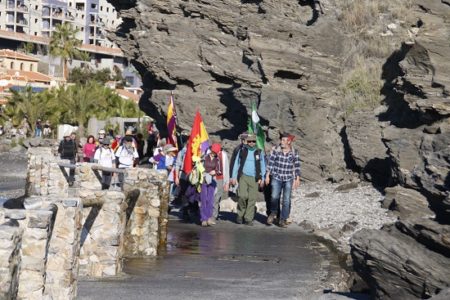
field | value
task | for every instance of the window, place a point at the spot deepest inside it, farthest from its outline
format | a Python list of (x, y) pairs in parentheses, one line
[(94, 6), (31, 67), (101, 7), (35, 21), (107, 9), (12, 65), (21, 66)]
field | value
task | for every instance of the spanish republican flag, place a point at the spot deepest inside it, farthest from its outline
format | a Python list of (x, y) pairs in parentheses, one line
[(172, 122), (197, 144)]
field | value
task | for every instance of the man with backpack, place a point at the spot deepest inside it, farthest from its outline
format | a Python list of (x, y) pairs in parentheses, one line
[(249, 169), (68, 150), (283, 172)]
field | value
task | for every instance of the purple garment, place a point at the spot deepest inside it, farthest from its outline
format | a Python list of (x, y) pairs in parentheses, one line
[(207, 201), (191, 194)]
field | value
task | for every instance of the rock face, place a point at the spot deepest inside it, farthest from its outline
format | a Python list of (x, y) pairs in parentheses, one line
[(219, 56)]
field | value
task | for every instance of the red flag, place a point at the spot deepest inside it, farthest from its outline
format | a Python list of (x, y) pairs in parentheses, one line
[(172, 122), (197, 143)]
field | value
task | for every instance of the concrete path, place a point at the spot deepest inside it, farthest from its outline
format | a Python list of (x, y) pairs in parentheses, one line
[(227, 261)]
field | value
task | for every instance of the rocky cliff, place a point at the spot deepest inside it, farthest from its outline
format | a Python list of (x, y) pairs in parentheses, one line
[(302, 64)]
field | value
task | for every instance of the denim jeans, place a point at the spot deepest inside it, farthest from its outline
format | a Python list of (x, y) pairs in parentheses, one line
[(277, 187)]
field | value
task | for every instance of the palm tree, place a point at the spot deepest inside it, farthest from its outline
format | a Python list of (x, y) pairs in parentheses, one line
[(64, 44), (84, 56), (26, 103)]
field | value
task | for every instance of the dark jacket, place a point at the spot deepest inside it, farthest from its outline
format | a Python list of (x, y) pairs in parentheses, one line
[(67, 149)]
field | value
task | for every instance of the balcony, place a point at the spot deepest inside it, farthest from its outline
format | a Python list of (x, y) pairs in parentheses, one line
[(10, 18), (58, 15), (22, 8), (46, 11), (10, 5), (22, 22)]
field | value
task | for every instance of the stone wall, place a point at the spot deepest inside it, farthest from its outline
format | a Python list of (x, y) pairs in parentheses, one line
[(10, 242), (54, 239), (147, 194)]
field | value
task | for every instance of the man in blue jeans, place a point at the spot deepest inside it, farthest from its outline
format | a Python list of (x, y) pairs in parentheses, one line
[(284, 168)]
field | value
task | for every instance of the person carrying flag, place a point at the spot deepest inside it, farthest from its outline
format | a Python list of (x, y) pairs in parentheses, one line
[(248, 170)]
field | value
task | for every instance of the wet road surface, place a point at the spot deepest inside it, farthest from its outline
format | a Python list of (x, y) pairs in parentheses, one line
[(226, 261)]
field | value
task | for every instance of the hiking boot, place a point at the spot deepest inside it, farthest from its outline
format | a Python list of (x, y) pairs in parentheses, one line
[(283, 224), (239, 220), (211, 222), (270, 218), (249, 223), (204, 223)]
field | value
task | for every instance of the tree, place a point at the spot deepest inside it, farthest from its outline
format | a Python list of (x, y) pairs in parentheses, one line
[(83, 75), (28, 103), (79, 102), (27, 47), (64, 44)]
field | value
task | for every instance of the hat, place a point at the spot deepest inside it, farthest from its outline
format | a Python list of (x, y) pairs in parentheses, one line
[(106, 141), (243, 136), (287, 135), (216, 148), (102, 131), (251, 137), (169, 148), (128, 139)]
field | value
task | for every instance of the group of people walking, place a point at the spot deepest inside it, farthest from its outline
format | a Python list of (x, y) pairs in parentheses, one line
[(120, 153), (249, 171), (246, 173)]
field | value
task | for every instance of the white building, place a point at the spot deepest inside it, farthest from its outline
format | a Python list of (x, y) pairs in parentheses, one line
[(39, 18)]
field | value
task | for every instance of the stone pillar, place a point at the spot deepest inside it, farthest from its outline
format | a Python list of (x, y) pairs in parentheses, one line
[(10, 242), (63, 251), (146, 193), (44, 176), (101, 240), (37, 231)]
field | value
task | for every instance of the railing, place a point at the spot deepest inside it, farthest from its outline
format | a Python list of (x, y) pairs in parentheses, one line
[(96, 168)]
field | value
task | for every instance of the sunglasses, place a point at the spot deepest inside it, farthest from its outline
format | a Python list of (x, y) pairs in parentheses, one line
[(251, 141)]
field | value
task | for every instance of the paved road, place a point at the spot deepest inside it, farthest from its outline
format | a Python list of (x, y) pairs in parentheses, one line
[(227, 261)]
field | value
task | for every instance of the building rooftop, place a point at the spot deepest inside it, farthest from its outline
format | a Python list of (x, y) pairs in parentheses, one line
[(28, 76), (16, 55), (126, 94)]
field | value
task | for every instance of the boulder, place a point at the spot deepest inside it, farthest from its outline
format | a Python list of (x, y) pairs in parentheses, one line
[(395, 266), (406, 202)]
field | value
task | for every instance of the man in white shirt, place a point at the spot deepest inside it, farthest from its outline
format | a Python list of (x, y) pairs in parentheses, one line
[(126, 157), (104, 156)]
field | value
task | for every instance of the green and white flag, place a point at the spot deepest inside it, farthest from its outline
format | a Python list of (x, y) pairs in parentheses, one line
[(255, 127)]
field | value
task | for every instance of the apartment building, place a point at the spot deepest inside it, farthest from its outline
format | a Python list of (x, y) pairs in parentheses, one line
[(39, 18)]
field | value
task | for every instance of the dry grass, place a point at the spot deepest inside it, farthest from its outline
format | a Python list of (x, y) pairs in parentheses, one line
[(357, 15), (361, 86), (366, 21)]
